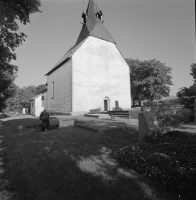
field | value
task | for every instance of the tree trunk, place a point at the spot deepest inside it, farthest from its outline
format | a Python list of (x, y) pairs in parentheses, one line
[(133, 102)]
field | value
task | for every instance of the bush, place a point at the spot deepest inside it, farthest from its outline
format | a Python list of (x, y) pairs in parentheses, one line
[(187, 118), (169, 158), (165, 115)]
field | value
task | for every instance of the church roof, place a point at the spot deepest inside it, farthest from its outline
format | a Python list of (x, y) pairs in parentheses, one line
[(93, 27), (66, 57), (35, 97)]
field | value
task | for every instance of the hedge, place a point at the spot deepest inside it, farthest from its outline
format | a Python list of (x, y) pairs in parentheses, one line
[(169, 158)]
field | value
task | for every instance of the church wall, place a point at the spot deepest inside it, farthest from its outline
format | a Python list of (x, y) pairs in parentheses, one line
[(60, 82), (45, 100), (99, 71), (38, 106)]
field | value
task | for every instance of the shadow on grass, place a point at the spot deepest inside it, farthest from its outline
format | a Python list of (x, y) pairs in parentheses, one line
[(70, 163)]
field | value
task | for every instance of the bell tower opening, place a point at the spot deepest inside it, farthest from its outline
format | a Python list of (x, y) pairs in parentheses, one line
[(99, 16)]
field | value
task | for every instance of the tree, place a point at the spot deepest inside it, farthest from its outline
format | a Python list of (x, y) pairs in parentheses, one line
[(25, 94), (186, 95), (12, 103), (150, 79), (193, 71), (6, 94), (21, 97), (10, 39), (40, 88)]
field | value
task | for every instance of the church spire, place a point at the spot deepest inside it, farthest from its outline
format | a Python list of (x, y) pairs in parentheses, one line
[(93, 24), (94, 14)]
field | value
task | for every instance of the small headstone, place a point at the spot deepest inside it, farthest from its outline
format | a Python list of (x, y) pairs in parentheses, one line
[(195, 110), (147, 122), (47, 149), (66, 122), (20, 128)]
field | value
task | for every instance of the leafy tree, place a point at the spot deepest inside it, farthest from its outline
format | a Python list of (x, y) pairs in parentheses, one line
[(12, 11), (21, 98), (150, 79), (40, 88), (25, 94), (193, 71), (12, 104), (186, 95), (5, 94)]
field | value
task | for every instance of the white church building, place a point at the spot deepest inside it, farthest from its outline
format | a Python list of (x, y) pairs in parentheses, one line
[(93, 74)]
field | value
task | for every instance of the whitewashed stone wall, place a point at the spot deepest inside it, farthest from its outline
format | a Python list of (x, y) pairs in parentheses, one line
[(99, 71), (62, 78), (38, 106), (32, 109), (45, 101)]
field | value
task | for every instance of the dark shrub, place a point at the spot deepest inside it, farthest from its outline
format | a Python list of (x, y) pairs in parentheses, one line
[(187, 118), (169, 158)]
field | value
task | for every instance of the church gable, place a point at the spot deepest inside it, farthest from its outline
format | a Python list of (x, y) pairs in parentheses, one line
[(99, 71), (92, 26)]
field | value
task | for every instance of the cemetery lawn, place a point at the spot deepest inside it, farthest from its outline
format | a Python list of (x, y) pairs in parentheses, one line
[(71, 163)]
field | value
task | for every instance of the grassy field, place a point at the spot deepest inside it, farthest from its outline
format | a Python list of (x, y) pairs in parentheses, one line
[(71, 163)]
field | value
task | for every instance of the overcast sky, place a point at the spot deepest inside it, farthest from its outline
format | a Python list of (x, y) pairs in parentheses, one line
[(143, 29)]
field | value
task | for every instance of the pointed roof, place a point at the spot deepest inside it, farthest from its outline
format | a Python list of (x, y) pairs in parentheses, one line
[(93, 27)]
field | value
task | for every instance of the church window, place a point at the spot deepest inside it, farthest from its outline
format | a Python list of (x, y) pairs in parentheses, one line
[(32, 104), (52, 90), (42, 98)]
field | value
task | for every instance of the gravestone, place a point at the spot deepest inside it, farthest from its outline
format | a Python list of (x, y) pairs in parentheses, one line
[(195, 110), (66, 122), (147, 122)]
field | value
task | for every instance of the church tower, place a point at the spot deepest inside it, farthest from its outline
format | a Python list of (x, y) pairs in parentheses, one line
[(93, 24)]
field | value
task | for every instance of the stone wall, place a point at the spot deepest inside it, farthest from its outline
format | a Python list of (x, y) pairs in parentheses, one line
[(62, 78), (38, 106), (100, 72)]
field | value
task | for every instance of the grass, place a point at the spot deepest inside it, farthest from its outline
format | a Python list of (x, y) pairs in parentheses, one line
[(70, 163)]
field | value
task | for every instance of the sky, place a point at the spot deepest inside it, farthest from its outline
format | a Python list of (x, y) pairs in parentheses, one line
[(145, 29)]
